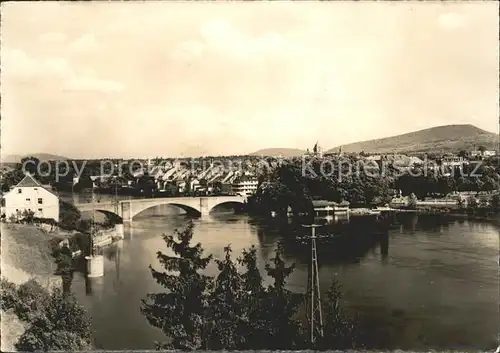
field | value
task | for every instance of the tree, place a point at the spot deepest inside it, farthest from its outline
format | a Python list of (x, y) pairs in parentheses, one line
[(281, 306), (445, 185), (62, 324), (180, 311), (146, 185), (56, 320), (64, 261), (227, 311), (254, 293), (472, 202), (339, 331), (30, 165), (28, 216), (31, 299), (69, 215), (273, 196), (11, 178), (495, 202), (481, 149), (85, 182), (412, 202)]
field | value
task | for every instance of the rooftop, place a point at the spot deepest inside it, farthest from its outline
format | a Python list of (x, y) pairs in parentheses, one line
[(28, 181), (325, 203)]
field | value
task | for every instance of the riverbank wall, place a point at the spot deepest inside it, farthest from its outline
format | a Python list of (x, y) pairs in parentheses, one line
[(102, 238), (107, 236)]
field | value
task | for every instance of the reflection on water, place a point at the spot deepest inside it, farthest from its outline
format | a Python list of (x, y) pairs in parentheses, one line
[(425, 282)]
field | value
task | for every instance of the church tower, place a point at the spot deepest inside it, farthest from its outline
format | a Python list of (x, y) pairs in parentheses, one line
[(318, 152)]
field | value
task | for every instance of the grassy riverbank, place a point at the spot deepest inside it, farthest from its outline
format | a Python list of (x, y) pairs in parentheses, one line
[(25, 254)]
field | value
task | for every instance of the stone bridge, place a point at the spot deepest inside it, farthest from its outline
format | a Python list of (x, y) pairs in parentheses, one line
[(127, 209)]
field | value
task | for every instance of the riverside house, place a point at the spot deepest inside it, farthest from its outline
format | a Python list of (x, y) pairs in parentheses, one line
[(30, 195)]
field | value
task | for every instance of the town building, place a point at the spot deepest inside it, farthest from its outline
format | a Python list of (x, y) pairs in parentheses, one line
[(324, 208), (30, 195), (453, 161), (245, 185), (316, 152), (477, 153), (339, 153)]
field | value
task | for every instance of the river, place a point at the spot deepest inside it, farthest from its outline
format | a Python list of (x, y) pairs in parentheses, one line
[(429, 283)]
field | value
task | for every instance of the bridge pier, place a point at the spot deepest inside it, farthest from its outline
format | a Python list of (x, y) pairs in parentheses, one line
[(127, 211), (205, 215), (204, 207)]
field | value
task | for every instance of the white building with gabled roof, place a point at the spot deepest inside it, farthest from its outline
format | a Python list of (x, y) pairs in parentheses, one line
[(245, 185), (30, 195)]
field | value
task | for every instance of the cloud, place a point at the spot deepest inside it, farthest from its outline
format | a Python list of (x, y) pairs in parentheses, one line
[(189, 50), (17, 64), (451, 20), (57, 66), (296, 75), (82, 83), (85, 43), (52, 37), (223, 38)]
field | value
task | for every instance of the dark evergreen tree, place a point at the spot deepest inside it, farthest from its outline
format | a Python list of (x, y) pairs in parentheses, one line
[(227, 312), (339, 331), (64, 261), (281, 306), (181, 310), (254, 299)]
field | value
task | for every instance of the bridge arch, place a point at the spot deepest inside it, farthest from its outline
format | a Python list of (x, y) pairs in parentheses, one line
[(235, 203), (114, 217), (188, 209)]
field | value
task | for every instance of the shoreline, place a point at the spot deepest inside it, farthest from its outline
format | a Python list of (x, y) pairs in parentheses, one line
[(465, 216)]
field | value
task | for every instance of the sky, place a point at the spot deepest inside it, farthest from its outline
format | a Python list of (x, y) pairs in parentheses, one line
[(137, 79)]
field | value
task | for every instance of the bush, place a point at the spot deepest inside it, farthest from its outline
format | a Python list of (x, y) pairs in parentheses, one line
[(84, 225), (495, 202), (28, 216), (32, 299), (56, 320), (412, 202), (9, 295), (69, 215), (82, 242), (472, 202)]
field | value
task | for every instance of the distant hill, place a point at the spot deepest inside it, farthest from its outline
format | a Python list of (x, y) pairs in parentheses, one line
[(440, 139), (40, 156), (276, 152)]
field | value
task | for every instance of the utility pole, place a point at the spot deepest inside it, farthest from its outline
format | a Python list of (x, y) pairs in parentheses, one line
[(92, 225), (116, 195), (313, 298)]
